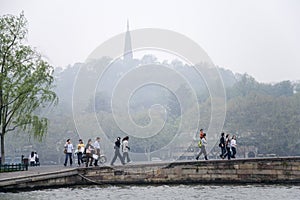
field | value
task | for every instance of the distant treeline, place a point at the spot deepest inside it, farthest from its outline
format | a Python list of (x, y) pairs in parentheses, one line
[(264, 115)]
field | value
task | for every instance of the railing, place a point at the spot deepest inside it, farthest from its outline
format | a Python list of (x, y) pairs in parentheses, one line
[(13, 167)]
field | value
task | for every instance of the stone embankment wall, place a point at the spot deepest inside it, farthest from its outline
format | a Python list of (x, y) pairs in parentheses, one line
[(44, 180), (271, 170), (264, 170)]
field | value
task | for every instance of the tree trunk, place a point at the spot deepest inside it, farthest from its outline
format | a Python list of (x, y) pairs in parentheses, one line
[(147, 151), (2, 149)]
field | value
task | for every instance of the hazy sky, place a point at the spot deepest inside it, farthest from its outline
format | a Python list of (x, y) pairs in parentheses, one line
[(260, 37)]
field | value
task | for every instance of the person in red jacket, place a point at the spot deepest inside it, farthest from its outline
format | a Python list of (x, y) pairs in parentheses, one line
[(201, 133)]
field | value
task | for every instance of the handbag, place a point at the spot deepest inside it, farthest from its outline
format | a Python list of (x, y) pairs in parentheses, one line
[(95, 156), (200, 144)]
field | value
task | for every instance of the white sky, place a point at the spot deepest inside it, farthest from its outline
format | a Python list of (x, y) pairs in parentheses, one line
[(260, 37)]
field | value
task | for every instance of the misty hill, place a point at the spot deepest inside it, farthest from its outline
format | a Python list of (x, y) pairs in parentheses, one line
[(266, 116), (247, 100), (108, 79)]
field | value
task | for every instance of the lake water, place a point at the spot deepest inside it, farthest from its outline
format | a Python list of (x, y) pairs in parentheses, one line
[(187, 192)]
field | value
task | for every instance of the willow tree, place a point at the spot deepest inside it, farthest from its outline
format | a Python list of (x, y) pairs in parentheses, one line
[(26, 82)]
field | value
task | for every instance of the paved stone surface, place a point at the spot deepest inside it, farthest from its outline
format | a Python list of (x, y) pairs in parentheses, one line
[(34, 171)]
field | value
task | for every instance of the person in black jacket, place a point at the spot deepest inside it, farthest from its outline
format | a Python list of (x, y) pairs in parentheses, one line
[(222, 145), (228, 147), (117, 152)]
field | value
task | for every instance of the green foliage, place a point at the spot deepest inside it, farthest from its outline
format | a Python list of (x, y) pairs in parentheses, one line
[(26, 81), (268, 119), (247, 85)]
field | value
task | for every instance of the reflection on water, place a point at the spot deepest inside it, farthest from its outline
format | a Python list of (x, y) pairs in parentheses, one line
[(207, 192)]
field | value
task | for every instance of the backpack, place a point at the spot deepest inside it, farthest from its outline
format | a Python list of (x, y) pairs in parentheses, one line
[(200, 144), (220, 144)]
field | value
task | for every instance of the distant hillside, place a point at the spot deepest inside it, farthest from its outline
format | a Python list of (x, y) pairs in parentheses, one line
[(266, 116), (67, 78)]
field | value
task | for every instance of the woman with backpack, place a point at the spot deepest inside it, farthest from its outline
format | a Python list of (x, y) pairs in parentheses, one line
[(202, 146), (222, 145), (117, 152)]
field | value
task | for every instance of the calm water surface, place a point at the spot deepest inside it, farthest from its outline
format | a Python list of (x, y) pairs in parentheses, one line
[(187, 192)]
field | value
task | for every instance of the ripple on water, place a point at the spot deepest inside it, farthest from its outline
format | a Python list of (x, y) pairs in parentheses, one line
[(166, 192)]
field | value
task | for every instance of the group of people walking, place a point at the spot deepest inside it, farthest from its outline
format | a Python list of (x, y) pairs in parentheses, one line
[(92, 152), (227, 145), (125, 150)]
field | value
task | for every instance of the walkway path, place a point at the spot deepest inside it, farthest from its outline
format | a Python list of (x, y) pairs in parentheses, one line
[(34, 171), (51, 169)]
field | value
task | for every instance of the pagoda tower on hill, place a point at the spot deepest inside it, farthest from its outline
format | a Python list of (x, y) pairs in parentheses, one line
[(128, 56)]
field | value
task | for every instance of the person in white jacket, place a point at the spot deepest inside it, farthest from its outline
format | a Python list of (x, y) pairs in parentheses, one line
[(97, 150), (203, 147), (126, 149), (69, 152), (233, 146), (31, 158)]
